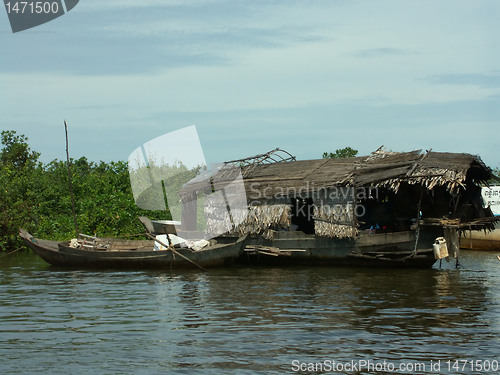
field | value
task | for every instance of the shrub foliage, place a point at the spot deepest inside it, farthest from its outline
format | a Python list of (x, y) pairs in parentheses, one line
[(37, 197)]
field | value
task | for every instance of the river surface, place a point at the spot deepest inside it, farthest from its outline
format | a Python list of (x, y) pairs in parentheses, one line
[(250, 320)]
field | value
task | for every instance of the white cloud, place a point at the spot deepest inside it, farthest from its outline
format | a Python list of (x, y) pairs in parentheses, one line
[(125, 64)]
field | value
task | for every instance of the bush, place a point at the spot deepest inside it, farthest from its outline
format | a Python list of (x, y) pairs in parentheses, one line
[(37, 196)]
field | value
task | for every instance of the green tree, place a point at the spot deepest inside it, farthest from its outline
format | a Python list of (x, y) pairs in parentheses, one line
[(104, 202), (16, 151), (17, 163), (346, 152), (36, 196)]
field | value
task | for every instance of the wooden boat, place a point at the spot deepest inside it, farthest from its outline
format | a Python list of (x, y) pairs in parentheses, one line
[(368, 250), (485, 240), (384, 209), (117, 253)]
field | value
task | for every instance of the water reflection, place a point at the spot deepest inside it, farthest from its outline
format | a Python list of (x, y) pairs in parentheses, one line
[(244, 319)]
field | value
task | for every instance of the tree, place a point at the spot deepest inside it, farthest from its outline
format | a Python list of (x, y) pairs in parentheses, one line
[(16, 151), (18, 164), (35, 196), (346, 152)]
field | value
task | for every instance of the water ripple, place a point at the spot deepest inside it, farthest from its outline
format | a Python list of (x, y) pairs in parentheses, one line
[(242, 320)]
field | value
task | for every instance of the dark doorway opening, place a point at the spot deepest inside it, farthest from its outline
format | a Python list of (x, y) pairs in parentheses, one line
[(302, 215)]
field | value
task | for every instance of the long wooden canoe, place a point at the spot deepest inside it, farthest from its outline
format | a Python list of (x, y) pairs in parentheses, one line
[(134, 254)]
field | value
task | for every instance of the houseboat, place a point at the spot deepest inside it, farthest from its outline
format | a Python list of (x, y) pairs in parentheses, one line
[(384, 209)]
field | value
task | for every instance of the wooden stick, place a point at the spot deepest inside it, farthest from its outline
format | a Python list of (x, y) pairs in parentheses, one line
[(69, 180), (87, 236), (267, 253), (19, 248), (354, 206), (175, 252), (417, 235)]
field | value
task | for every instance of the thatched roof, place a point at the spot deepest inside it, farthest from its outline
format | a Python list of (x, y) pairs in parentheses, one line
[(378, 169), (428, 169), (381, 168), (269, 187)]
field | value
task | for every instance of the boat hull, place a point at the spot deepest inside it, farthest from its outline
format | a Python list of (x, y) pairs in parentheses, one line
[(286, 248), (476, 240), (368, 250), (59, 254)]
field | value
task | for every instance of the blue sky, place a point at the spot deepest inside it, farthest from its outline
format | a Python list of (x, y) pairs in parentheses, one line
[(306, 76)]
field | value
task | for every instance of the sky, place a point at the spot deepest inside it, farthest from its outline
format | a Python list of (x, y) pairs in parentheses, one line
[(306, 76)]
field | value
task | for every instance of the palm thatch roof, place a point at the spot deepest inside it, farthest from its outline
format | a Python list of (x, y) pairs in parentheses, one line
[(381, 168), (270, 185)]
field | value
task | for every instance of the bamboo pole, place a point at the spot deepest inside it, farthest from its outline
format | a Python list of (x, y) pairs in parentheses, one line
[(354, 209), (417, 235), (69, 181), (12, 252), (171, 248)]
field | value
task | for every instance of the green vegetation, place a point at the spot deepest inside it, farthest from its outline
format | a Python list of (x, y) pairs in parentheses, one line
[(346, 152), (36, 196)]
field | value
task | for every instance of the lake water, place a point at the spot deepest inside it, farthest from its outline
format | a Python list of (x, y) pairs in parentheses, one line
[(250, 320)]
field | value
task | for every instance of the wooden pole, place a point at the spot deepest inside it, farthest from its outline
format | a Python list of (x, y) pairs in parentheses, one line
[(354, 210), (171, 248), (418, 220), (69, 180)]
